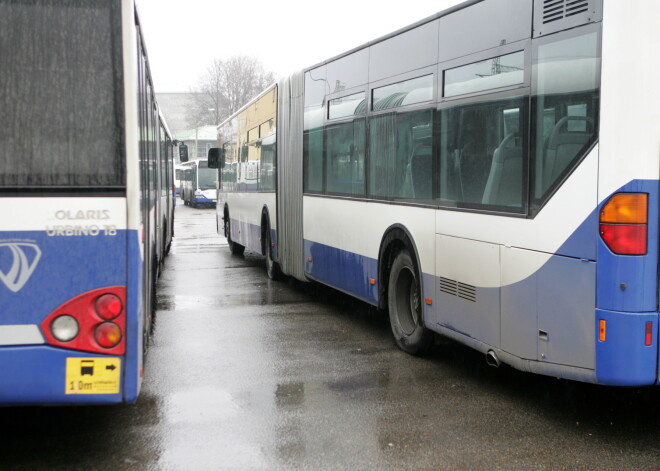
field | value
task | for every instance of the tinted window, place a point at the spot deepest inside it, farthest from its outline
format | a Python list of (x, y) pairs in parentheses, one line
[(483, 154), (348, 72), (60, 71), (316, 87), (400, 155), (313, 160), (417, 90), (207, 177), (413, 50), (347, 106), (565, 109), (484, 25), (267, 164), (492, 73), (344, 148)]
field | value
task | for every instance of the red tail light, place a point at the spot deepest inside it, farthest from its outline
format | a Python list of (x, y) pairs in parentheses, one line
[(649, 334), (91, 311), (623, 223), (624, 239), (109, 306)]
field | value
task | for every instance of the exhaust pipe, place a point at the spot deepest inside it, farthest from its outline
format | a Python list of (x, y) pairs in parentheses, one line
[(492, 359)]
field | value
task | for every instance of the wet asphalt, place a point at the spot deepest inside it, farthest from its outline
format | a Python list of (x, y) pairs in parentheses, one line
[(244, 373)]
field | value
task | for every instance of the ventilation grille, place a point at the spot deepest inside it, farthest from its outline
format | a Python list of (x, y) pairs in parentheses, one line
[(461, 290), (552, 16), (554, 10)]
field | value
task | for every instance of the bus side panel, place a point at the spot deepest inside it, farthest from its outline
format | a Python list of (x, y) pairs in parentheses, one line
[(133, 370), (245, 210), (345, 271), (343, 239)]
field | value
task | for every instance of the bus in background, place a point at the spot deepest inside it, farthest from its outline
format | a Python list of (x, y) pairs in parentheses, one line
[(178, 171), (198, 184), (487, 174), (85, 194)]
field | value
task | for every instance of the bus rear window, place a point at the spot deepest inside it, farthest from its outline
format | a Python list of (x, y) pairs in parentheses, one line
[(60, 72)]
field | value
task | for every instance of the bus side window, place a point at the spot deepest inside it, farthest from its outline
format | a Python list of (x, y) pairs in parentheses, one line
[(482, 155), (344, 148), (565, 104), (400, 155)]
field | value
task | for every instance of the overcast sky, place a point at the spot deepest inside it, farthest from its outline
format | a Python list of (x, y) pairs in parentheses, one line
[(184, 37)]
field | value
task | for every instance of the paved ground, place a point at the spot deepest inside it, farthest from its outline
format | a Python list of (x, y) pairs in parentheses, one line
[(245, 373)]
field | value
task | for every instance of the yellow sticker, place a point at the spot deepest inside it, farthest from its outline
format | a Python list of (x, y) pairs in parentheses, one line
[(98, 375)]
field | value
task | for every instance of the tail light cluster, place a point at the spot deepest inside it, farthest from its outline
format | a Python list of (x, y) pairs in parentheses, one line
[(93, 322), (624, 223)]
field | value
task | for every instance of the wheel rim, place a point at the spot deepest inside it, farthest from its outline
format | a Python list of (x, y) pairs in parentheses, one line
[(407, 300)]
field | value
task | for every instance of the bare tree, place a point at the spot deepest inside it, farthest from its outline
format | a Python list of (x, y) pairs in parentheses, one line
[(225, 87)]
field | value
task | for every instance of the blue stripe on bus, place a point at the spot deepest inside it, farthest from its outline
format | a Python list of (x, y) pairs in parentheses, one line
[(134, 322), (203, 200), (346, 271), (37, 375), (68, 266)]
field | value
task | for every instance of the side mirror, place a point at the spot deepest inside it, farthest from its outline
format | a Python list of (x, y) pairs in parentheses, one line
[(216, 157), (183, 153), (213, 157)]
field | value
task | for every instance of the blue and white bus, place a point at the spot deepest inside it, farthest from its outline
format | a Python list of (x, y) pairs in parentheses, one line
[(198, 183), (86, 199), (489, 174)]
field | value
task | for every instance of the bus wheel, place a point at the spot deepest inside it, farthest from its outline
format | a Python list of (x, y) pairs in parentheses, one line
[(234, 248), (272, 267), (405, 306)]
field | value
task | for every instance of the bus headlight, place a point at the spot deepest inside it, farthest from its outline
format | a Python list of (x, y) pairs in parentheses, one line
[(65, 328)]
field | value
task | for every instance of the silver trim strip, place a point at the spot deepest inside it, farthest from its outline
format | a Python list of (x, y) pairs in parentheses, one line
[(21, 335)]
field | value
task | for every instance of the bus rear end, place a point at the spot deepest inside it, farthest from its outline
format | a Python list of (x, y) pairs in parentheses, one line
[(627, 282), (66, 307)]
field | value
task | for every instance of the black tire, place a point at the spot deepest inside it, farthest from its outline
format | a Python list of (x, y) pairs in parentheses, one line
[(272, 267), (234, 248), (405, 306)]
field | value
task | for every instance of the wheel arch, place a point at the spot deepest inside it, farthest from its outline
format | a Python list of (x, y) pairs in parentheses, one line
[(396, 238), (265, 224)]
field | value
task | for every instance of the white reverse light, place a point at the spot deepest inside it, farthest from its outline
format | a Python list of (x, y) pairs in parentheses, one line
[(64, 328)]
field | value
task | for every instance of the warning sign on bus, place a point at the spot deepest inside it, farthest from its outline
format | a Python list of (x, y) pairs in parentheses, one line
[(92, 375)]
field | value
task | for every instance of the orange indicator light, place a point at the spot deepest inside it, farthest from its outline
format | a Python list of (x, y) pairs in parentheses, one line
[(428, 301), (309, 259), (602, 330), (626, 208), (372, 281)]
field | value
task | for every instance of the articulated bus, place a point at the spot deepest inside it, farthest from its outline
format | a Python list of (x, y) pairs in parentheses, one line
[(489, 174), (198, 183), (86, 197)]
